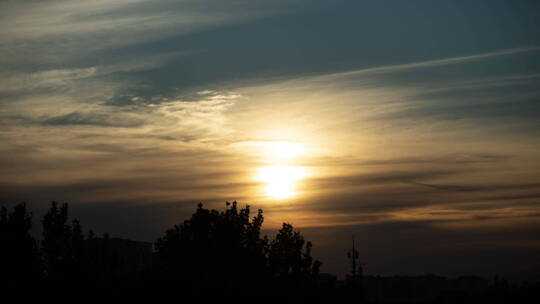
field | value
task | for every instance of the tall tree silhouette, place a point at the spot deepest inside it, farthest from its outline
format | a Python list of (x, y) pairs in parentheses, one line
[(62, 244), (19, 257), (290, 257)]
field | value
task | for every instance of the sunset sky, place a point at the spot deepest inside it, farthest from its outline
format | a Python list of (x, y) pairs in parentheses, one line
[(413, 125)]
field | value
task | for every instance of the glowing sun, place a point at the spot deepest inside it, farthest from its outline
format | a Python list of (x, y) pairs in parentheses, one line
[(280, 176), (281, 181)]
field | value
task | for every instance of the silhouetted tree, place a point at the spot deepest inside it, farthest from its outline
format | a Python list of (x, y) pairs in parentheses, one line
[(62, 244), (214, 248), (290, 257), (225, 251), (19, 256)]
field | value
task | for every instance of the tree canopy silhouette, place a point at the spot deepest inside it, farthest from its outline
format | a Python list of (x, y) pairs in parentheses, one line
[(62, 244), (225, 249), (19, 257)]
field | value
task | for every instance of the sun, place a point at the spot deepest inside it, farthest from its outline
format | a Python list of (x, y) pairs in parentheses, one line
[(281, 181), (280, 174)]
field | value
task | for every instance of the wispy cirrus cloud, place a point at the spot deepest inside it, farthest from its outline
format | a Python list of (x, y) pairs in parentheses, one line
[(316, 108), (55, 31), (435, 63)]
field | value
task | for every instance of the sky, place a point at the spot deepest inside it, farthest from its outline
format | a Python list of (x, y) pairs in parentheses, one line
[(412, 125)]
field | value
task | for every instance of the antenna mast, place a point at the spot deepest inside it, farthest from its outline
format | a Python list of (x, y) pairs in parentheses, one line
[(353, 256)]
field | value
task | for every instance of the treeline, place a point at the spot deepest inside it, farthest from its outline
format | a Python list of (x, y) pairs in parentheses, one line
[(64, 254), (218, 251), (213, 255)]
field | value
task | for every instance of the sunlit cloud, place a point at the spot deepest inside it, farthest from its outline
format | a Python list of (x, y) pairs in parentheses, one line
[(294, 134)]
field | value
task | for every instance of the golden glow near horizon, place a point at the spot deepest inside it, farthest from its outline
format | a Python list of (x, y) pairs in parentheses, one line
[(281, 178), (281, 181), (283, 150)]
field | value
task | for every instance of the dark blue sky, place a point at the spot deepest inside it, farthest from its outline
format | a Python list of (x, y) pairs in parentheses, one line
[(322, 37)]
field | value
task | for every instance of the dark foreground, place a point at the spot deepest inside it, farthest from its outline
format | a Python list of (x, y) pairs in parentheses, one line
[(211, 257)]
